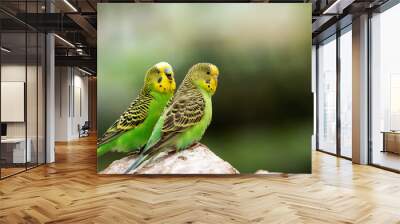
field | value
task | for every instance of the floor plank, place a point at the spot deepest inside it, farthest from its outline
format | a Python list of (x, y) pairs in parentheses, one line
[(70, 191)]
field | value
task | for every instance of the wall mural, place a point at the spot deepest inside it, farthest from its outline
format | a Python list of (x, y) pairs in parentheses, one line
[(204, 88)]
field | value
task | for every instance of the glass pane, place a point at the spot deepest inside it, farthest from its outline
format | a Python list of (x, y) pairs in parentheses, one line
[(346, 93), (327, 96), (31, 100), (13, 90), (41, 98), (386, 89), (23, 90)]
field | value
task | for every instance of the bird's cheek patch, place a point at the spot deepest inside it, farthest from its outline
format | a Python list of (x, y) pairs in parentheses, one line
[(164, 85), (173, 86), (159, 87)]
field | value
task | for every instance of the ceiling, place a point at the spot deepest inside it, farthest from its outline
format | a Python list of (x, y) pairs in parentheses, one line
[(75, 21)]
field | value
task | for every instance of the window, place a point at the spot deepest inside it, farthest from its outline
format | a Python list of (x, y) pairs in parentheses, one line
[(327, 95), (346, 92), (385, 89), (22, 88)]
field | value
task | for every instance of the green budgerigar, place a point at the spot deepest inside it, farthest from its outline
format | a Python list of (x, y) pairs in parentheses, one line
[(133, 129), (187, 117)]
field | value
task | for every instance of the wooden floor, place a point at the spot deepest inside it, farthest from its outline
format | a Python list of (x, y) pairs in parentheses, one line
[(10, 171), (70, 191)]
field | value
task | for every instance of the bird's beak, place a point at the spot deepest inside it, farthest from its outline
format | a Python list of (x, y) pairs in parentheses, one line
[(168, 73), (169, 76), (214, 70), (213, 84)]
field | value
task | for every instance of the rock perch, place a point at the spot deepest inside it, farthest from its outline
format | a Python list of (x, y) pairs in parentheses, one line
[(195, 160)]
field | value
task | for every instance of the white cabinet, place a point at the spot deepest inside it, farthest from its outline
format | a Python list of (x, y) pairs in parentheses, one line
[(18, 149)]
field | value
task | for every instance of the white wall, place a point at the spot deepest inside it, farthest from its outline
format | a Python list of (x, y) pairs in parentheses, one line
[(81, 84), (33, 127), (71, 94), (62, 81), (16, 73)]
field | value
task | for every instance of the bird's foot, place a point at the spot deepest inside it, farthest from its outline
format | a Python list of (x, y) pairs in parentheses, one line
[(133, 153), (171, 150), (194, 145), (136, 151)]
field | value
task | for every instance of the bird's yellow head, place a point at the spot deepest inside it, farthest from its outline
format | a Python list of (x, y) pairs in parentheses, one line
[(205, 76), (160, 78)]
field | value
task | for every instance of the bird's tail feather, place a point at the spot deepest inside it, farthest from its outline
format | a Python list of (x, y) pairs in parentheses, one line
[(156, 145), (143, 157), (136, 163), (148, 152)]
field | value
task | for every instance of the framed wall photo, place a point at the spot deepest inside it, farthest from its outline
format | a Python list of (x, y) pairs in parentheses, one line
[(204, 88), (12, 101)]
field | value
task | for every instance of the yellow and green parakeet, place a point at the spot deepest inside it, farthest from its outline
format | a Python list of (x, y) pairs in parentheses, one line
[(187, 116), (133, 128)]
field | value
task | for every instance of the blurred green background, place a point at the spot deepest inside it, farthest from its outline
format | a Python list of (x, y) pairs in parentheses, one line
[(262, 110)]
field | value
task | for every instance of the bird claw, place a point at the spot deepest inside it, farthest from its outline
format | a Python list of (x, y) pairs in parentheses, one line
[(133, 153), (194, 145)]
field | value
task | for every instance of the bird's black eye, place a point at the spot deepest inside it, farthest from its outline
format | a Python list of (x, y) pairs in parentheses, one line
[(208, 72), (159, 80)]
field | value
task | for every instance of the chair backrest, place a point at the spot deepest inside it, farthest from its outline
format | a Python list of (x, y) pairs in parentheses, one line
[(86, 124)]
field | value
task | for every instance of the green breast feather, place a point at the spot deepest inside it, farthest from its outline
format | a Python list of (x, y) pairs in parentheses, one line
[(195, 133), (132, 139)]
